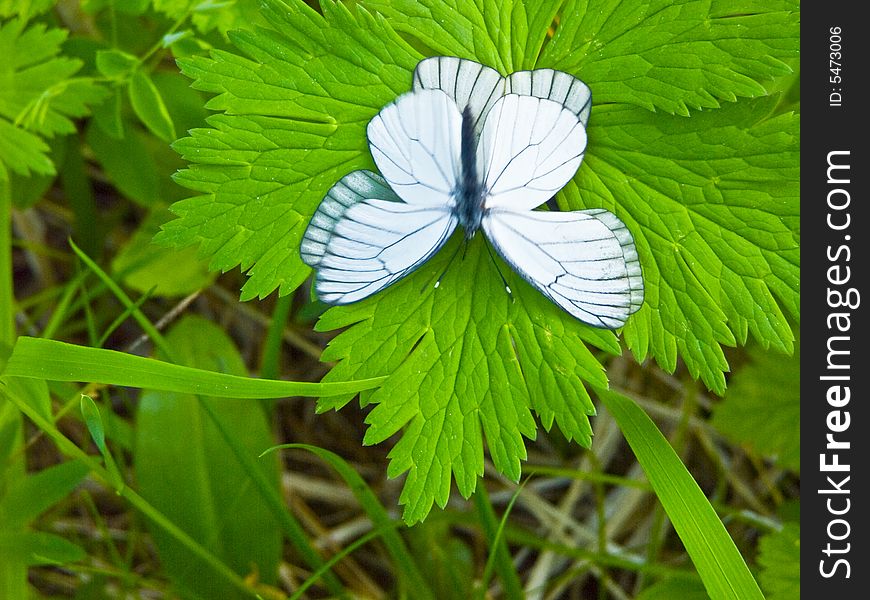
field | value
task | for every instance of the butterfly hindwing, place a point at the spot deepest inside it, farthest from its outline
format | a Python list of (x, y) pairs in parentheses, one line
[(415, 142), (363, 237), (584, 261), (469, 84), (474, 85)]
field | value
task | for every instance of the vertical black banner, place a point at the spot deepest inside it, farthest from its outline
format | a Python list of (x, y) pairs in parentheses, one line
[(835, 426)]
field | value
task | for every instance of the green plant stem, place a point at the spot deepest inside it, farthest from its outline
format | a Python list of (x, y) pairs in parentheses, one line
[(275, 335), (7, 298), (492, 530)]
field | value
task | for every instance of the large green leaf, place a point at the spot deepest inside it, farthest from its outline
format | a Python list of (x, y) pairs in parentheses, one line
[(675, 55), (713, 202), (186, 470), (711, 199), (506, 35), (297, 110)]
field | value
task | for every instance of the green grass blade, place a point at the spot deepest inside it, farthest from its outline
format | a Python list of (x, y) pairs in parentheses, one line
[(59, 361), (719, 563), (499, 557), (289, 524)]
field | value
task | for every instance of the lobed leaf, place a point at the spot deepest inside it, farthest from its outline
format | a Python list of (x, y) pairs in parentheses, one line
[(714, 204), (296, 109), (711, 200), (514, 30), (465, 360), (675, 55)]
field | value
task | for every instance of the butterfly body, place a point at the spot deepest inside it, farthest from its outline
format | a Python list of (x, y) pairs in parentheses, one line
[(470, 194), (468, 147)]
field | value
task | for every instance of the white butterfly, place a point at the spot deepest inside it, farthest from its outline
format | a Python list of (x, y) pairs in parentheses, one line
[(467, 146)]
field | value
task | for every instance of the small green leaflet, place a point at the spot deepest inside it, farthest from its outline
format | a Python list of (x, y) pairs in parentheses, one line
[(780, 561), (762, 410), (711, 200), (39, 96)]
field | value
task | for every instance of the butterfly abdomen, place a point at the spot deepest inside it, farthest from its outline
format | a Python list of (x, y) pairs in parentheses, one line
[(470, 196)]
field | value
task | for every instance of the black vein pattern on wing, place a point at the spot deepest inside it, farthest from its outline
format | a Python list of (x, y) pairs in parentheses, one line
[(404, 149), (345, 193), (477, 85), (381, 249), (410, 174), (554, 147), (574, 243), (389, 275), (589, 305), (319, 249), (536, 175), (430, 152)]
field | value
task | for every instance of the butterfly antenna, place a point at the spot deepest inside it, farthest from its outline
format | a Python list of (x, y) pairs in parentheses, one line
[(507, 288), (450, 262)]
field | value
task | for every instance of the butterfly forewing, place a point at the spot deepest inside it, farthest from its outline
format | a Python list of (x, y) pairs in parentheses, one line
[(478, 87), (529, 149), (584, 261), (415, 143)]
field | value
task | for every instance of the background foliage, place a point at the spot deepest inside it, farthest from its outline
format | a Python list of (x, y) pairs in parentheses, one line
[(693, 143)]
